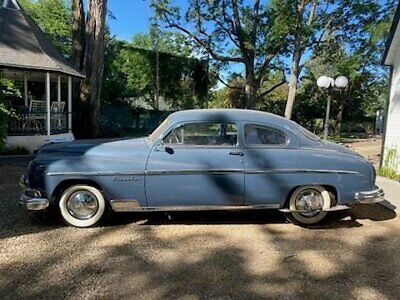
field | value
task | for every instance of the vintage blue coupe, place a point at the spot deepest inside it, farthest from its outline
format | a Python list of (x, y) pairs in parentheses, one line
[(201, 159)]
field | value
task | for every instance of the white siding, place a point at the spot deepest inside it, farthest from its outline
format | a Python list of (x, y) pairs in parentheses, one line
[(392, 135)]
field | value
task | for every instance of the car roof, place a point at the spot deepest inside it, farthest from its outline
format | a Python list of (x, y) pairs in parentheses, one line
[(232, 115)]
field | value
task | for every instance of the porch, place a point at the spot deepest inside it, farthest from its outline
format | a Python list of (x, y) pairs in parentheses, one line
[(42, 110), (45, 107), (43, 113)]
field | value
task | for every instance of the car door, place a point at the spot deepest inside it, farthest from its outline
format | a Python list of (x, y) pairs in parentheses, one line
[(266, 157), (196, 164)]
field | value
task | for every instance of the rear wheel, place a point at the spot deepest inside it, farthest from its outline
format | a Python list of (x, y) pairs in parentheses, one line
[(310, 200), (83, 206)]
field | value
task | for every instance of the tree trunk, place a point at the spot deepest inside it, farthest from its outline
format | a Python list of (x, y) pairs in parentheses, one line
[(298, 52), (78, 46), (93, 66), (78, 33), (294, 76), (339, 116), (250, 87)]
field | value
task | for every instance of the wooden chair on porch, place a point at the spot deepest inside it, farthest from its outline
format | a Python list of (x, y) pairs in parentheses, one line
[(36, 116), (56, 114)]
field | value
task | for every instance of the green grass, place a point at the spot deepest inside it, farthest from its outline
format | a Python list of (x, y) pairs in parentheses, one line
[(390, 164)]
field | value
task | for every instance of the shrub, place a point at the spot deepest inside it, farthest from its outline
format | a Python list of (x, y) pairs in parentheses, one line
[(10, 90), (390, 164)]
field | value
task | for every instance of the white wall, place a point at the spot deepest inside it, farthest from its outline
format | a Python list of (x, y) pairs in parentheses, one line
[(392, 135), (33, 142)]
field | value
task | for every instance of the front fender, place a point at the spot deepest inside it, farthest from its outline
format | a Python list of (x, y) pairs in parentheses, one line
[(118, 178)]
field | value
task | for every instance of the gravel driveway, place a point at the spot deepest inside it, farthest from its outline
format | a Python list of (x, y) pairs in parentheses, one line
[(197, 255)]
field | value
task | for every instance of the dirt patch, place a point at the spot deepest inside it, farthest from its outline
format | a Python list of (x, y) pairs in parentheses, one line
[(250, 255), (369, 148)]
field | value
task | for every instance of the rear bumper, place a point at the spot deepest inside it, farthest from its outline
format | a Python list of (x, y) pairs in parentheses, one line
[(33, 203), (368, 197)]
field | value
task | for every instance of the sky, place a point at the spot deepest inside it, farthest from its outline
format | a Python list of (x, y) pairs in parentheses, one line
[(132, 16)]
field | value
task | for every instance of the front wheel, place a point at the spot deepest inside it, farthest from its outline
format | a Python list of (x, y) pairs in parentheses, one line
[(311, 200), (83, 206)]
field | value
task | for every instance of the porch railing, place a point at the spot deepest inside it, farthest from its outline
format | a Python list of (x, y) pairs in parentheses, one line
[(26, 123)]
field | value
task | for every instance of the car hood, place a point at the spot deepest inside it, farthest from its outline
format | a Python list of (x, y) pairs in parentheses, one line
[(95, 147)]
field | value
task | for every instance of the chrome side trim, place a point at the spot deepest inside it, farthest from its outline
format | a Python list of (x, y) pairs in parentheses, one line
[(122, 205), (97, 173), (299, 171), (195, 172)]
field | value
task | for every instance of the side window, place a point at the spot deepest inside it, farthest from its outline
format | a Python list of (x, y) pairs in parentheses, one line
[(261, 135), (203, 134)]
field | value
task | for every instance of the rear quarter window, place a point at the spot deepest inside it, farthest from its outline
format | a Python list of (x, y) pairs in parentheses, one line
[(264, 135)]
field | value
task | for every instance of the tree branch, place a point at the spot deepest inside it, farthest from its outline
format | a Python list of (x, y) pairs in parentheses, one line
[(264, 68), (227, 84), (271, 89), (203, 44), (255, 21)]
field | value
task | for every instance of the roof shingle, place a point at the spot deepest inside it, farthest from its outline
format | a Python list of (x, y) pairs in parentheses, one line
[(23, 45)]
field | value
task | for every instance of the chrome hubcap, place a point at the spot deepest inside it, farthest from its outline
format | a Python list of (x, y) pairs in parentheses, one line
[(310, 201), (82, 205)]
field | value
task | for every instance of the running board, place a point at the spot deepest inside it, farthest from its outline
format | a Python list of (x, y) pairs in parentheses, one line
[(133, 205), (334, 208)]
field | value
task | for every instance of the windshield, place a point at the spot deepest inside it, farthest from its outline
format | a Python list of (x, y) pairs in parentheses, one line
[(309, 134), (159, 130)]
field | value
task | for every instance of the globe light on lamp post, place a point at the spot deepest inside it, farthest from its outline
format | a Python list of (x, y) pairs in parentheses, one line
[(329, 83)]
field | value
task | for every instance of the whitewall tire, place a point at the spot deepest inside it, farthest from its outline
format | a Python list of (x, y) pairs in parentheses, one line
[(311, 198), (82, 206)]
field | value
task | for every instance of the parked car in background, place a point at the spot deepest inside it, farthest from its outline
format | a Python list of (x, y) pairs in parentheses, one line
[(201, 159)]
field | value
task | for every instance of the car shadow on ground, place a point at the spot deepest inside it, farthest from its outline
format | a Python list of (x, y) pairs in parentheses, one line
[(342, 219)]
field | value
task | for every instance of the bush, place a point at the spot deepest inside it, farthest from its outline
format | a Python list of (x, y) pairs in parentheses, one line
[(4, 116), (390, 164), (11, 90), (17, 150)]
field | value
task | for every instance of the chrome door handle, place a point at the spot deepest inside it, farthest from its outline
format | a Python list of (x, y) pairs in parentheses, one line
[(238, 153)]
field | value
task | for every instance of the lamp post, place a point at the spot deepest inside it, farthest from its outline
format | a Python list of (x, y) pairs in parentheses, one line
[(330, 84)]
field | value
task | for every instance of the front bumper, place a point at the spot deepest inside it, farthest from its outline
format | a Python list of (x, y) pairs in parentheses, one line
[(369, 197), (33, 203)]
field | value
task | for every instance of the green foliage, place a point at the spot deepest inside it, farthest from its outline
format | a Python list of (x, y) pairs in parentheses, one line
[(7, 91), (54, 18), (17, 150), (390, 165), (130, 70)]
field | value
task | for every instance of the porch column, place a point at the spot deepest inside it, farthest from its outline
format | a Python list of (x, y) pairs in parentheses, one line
[(58, 89), (48, 103), (69, 104), (25, 89), (59, 101)]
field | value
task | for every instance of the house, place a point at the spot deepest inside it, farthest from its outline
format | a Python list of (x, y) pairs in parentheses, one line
[(26, 55), (390, 156)]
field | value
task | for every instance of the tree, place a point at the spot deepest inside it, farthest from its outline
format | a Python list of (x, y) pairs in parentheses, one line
[(233, 32), (93, 66), (78, 33), (130, 70), (54, 18), (316, 23)]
